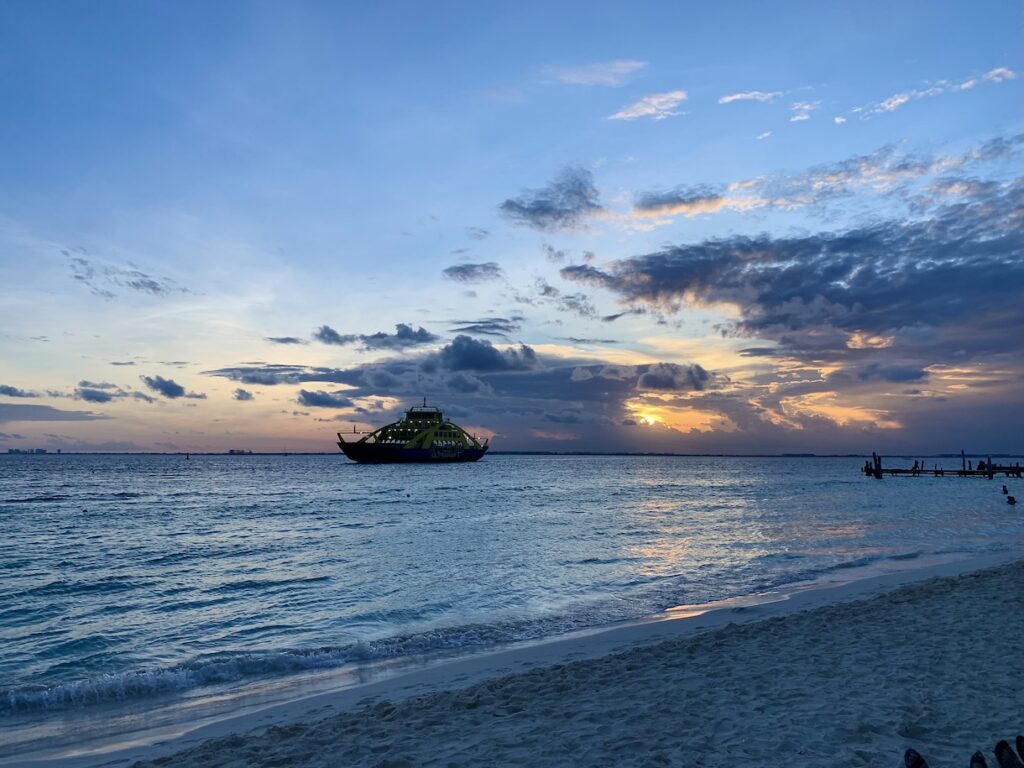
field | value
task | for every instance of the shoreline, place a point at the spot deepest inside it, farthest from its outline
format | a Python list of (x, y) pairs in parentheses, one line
[(426, 677)]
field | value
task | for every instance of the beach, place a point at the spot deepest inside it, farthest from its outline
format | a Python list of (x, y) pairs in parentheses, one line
[(850, 675)]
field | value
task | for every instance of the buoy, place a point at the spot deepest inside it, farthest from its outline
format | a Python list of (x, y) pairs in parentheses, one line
[(1005, 491), (1011, 499)]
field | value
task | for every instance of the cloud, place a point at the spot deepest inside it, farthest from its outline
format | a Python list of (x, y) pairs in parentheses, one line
[(100, 278), (241, 394), (270, 374), (473, 273), (122, 362), (802, 110), (553, 255), (403, 337), (763, 136), (93, 395), (672, 377), (320, 399), (8, 391), (762, 96), (889, 171), (565, 203), (488, 326), (576, 303), (687, 201), (285, 339), (611, 74), (169, 388), (327, 335), (468, 354), (632, 311), (578, 340), (97, 384), (999, 74), (818, 294), (17, 412), (477, 233), (937, 88), (657, 106)]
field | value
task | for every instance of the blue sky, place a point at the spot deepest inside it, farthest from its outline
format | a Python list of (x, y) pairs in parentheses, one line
[(182, 182)]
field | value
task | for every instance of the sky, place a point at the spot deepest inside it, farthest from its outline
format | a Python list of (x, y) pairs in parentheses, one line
[(739, 227)]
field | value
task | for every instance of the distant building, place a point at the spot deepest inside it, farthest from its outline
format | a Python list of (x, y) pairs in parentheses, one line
[(27, 450), (239, 452)]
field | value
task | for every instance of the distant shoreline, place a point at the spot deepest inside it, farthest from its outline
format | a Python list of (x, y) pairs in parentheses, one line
[(551, 453)]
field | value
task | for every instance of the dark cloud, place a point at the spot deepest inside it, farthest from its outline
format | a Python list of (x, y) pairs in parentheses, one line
[(11, 436), (477, 233), (9, 391), (672, 377), (563, 204), (473, 273), (18, 412), (285, 339), (122, 362), (895, 373), (328, 335), (93, 395), (320, 399), (488, 326), (169, 388), (241, 394), (460, 382), (102, 392), (633, 311), (468, 354), (960, 269), (403, 337)]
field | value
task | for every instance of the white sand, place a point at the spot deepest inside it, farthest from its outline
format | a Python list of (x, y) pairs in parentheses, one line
[(937, 665)]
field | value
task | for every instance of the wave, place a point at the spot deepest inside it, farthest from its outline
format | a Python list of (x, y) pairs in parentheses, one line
[(240, 667)]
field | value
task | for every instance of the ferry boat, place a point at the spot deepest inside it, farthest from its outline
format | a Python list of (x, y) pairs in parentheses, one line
[(424, 435)]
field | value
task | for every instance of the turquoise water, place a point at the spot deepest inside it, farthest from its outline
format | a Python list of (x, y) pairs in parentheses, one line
[(124, 578)]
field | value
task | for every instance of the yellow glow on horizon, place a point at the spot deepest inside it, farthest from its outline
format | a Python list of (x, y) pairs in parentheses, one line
[(824, 404), (712, 353), (680, 418)]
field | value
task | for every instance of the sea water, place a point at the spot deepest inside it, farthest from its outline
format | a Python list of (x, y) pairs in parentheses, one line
[(127, 580)]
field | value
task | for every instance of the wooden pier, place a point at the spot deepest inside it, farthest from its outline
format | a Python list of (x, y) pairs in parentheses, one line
[(985, 468)]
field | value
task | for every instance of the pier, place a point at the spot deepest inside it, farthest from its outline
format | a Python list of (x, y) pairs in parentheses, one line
[(985, 468)]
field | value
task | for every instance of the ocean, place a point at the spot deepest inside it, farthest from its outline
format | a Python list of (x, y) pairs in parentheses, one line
[(134, 582)]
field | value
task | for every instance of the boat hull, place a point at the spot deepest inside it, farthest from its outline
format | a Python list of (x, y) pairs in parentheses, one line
[(373, 453)]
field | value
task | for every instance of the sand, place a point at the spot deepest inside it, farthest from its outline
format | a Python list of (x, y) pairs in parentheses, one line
[(936, 665)]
